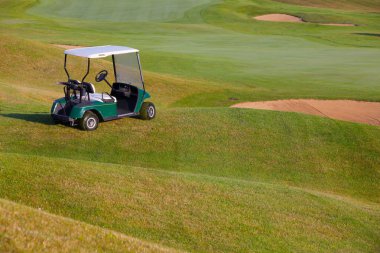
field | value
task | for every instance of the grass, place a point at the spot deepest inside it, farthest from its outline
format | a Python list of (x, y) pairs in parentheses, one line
[(24, 229), (285, 148), (201, 177), (366, 5), (117, 11), (188, 211), (221, 43)]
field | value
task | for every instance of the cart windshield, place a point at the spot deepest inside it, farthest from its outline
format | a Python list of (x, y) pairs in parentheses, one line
[(127, 69)]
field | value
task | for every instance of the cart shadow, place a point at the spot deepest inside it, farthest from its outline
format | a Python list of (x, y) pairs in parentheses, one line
[(369, 34), (42, 118)]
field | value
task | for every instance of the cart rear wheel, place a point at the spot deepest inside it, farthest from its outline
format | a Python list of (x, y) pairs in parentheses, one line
[(89, 121), (55, 121), (147, 111)]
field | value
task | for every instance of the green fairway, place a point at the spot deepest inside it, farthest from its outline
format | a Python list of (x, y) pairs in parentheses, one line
[(362, 5), (201, 177), (222, 43)]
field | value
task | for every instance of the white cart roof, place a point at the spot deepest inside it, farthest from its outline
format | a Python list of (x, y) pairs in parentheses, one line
[(100, 52)]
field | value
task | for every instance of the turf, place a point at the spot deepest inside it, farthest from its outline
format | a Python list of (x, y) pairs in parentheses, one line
[(203, 140), (116, 10), (24, 229), (189, 211), (220, 42), (366, 5), (201, 177)]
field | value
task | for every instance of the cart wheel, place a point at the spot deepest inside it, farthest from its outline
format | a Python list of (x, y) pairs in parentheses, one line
[(89, 121), (147, 111), (55, 121)]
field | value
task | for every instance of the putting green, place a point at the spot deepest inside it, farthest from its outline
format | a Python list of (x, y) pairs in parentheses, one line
[(118, 10)]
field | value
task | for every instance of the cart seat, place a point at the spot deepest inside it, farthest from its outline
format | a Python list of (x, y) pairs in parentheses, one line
[(90, 89), (106, 98), (98, 97)]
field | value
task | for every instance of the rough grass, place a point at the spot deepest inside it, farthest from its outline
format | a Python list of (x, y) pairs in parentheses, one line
[(24, 229), (204, 178), (304, 151), (191, 212)]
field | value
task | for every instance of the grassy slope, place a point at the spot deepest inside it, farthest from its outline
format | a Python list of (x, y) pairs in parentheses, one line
[(269, 150), (200, 140), (23, 229), (333, 164), (289, 61), (192, 212), (358, 5)]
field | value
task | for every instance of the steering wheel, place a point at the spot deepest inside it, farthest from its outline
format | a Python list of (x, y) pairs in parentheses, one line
[(101, 76)]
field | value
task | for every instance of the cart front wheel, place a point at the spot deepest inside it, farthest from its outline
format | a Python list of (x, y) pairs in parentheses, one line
[(147, 111), (89, 121)]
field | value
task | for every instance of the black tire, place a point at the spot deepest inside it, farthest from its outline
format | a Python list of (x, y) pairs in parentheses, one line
[(89, 121), (147, 111), (55, 121)]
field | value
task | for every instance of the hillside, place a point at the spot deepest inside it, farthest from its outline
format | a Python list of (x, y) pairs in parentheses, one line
[(26, 229), (201, 177), (267, 61), (189, 211), (366, 5)]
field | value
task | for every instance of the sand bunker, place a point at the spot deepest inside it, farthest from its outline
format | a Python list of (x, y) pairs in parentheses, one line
[(347, 110), (279, 18), (291, 19)]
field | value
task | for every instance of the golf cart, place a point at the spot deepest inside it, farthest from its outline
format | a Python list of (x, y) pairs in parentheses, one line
[(82, 106)]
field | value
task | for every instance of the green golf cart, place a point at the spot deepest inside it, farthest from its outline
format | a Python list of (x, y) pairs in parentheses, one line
[(82, 106)]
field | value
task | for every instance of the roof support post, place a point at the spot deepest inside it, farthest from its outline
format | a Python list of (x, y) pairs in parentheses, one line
[(114, 67), (67, 73), (88, 69), (141, 75)]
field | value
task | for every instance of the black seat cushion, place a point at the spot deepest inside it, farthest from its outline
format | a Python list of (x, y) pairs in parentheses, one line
[(89, 87), (121, 90)]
